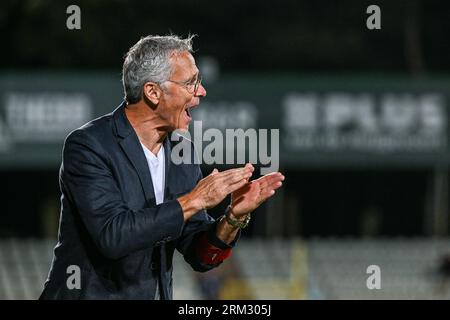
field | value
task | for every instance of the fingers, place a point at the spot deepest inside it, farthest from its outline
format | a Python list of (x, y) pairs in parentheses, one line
[(250, 196), (236, 177), (246, 169), (230, 180), (274, 184), (232, 176), (270, 179), (269, 183), (271, 176), (269, 191), (266, 194), (236, 186)]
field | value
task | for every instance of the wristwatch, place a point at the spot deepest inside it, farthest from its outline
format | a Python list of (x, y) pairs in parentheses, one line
[(236, 223)]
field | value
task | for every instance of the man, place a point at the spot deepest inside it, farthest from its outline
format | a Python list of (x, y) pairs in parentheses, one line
[(126, 206)]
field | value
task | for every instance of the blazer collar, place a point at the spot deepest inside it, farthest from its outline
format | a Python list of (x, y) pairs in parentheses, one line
[(130, 144), (122, 125)]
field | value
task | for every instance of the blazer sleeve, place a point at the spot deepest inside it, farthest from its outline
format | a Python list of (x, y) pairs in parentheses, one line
[(114, 227)]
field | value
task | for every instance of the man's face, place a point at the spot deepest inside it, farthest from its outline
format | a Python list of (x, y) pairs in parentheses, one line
[(178, 97)]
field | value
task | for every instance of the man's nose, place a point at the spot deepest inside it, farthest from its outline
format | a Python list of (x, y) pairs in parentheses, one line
[(201, 91)]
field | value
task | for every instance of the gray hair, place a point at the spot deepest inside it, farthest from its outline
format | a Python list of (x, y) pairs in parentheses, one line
[(148, 60)]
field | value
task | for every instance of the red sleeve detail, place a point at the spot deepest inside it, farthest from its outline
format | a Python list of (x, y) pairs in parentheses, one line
[(210, 254)]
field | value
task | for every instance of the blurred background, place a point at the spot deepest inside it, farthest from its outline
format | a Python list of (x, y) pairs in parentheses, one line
[(362, 115)]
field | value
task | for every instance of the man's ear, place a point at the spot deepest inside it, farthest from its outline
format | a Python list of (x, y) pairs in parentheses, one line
[(152, 92)]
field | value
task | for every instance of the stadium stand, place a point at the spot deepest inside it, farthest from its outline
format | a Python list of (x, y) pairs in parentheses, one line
[(333, 268)]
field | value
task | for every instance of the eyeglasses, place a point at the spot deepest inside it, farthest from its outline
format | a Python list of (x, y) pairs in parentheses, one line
[(191, 87)]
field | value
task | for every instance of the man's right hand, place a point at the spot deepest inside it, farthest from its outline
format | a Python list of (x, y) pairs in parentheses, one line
[(211, 190)]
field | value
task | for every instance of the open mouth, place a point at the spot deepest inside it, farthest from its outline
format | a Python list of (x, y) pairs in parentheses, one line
[(188, 109), (188, 113)]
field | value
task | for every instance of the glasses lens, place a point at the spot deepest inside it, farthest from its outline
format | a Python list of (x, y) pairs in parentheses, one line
[(197, 84)]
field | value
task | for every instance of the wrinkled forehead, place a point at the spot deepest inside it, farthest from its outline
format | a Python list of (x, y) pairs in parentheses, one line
[(183, 64)]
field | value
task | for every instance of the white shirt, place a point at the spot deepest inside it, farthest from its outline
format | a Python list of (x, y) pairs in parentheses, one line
[(156, 165)]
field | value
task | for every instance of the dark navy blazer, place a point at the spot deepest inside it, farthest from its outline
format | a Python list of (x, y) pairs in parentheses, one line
[(110, 226)]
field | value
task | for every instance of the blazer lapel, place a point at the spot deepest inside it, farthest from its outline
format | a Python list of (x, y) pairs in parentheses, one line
[(168, 163), (129, 142)]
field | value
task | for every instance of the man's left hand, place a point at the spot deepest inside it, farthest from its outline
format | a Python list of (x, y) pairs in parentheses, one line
[(250, 196)]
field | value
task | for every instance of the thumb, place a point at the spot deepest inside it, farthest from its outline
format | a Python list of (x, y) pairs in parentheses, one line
[(214, 171)]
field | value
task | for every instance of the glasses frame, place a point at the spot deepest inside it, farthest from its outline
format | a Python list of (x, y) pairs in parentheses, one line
[(195, 85)]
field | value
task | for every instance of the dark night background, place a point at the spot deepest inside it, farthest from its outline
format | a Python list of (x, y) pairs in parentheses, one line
[(245, 37)]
